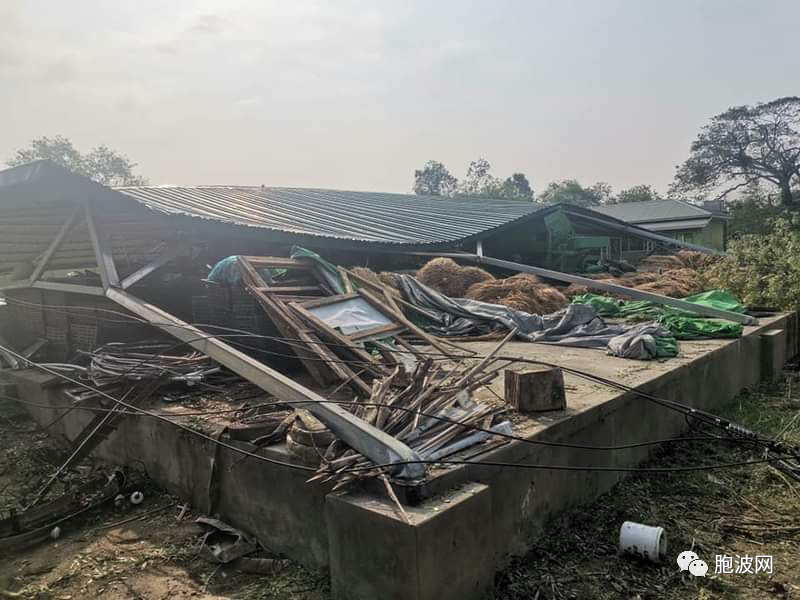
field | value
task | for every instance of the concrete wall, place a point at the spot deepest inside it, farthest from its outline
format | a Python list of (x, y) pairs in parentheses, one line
[(449, 545)]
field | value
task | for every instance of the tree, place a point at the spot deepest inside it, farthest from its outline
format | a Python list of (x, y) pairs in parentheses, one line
[(743, 145), (569, 191), (434, 180), (516, 187), (100, 164), (763, 270), (479, 182), (637, 193)]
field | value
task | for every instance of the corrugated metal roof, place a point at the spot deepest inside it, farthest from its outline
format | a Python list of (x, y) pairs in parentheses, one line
[(654, 210), (357, 216), (675, 225)]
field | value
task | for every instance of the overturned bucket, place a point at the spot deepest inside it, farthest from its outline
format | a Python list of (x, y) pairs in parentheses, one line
[(644, 541)]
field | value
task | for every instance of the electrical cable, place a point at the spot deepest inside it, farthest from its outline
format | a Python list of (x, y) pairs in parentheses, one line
[(688, 411), (400, 463)]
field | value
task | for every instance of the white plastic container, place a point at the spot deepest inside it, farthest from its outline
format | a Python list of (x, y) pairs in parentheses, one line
[(643, 541)]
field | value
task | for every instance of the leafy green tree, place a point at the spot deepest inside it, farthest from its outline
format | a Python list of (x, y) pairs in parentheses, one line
[(101, 164), (434, 180), (516, 187), (569, 191), (479, 181), (763, 270), (637, 193), (744, 145)]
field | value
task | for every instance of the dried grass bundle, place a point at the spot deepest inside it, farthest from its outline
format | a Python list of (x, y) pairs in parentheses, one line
[(521, 292), (447, 277)]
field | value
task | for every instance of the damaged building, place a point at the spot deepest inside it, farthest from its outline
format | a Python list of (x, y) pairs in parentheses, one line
[(407, 441)]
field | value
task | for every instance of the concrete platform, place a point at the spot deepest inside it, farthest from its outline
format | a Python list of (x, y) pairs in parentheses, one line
[(465, 521)]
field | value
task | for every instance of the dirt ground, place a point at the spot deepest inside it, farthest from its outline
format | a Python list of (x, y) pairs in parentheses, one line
[(148, 551)]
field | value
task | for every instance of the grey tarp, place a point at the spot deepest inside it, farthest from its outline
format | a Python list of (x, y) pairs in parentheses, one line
[(577, 325)]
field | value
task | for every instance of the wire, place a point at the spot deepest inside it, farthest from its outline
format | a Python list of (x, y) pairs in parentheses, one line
[(401, 463), (688, 411), (390, 407)]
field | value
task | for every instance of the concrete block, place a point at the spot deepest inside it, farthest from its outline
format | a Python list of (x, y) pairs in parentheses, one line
[(773, 354), (445, 553), (535, 390)]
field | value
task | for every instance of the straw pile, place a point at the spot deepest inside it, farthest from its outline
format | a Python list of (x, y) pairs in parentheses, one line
[(698, 261), (685, 259), (449, 278), (521, 292), (382, 278), (675, 283)]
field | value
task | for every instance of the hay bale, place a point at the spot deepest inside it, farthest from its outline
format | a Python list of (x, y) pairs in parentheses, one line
[(521, 292), (661, 262), (389, 278), (447, 277), (698, 261), (368, 274), (690, 279), (665, 287)]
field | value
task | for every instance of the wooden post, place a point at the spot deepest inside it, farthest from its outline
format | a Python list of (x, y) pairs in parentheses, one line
[(536, 390)]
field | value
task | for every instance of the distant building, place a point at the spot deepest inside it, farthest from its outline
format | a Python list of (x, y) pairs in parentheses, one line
[(674, 218)]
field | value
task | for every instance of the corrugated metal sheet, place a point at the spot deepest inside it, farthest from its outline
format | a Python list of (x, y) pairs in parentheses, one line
[(655, 210), (675, 225), (358, 216)]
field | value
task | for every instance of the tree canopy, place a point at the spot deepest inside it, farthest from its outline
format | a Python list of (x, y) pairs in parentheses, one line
[(744, 145), (569, 191), (101, 164), (434, 179), (637, 193)]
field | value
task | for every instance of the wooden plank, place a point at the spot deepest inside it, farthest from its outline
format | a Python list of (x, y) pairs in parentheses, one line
[(328, 300), (338, 338)]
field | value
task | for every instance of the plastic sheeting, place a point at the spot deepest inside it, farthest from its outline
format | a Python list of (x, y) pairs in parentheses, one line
[(577, 325), (683, 325)]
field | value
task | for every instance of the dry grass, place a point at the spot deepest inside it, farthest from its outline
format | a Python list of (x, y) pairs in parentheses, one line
[(745, 510), (521, 292), (451, 279)]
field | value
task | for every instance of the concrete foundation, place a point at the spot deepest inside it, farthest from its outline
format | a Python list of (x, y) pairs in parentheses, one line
[(465, 521)]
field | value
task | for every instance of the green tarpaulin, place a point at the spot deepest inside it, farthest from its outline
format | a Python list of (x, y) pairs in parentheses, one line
[(683, 325)]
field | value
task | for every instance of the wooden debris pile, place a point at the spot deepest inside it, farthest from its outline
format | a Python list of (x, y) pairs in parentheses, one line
[(433, 414), (343, 328)]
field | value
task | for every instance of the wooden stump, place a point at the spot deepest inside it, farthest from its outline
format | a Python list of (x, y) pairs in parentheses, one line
[(536, 390)]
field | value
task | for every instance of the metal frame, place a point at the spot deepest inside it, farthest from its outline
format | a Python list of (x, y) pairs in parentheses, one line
[(171, 252), (65, 230), (378, 446), (102, 250), (373, 443)]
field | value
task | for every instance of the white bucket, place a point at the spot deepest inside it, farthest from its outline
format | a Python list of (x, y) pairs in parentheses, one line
[(644, 541)]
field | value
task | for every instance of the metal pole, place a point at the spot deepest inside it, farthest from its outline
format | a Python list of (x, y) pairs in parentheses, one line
[(378, 446)]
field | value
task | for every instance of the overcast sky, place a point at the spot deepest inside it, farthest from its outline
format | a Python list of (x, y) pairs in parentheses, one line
[(356, 95)]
